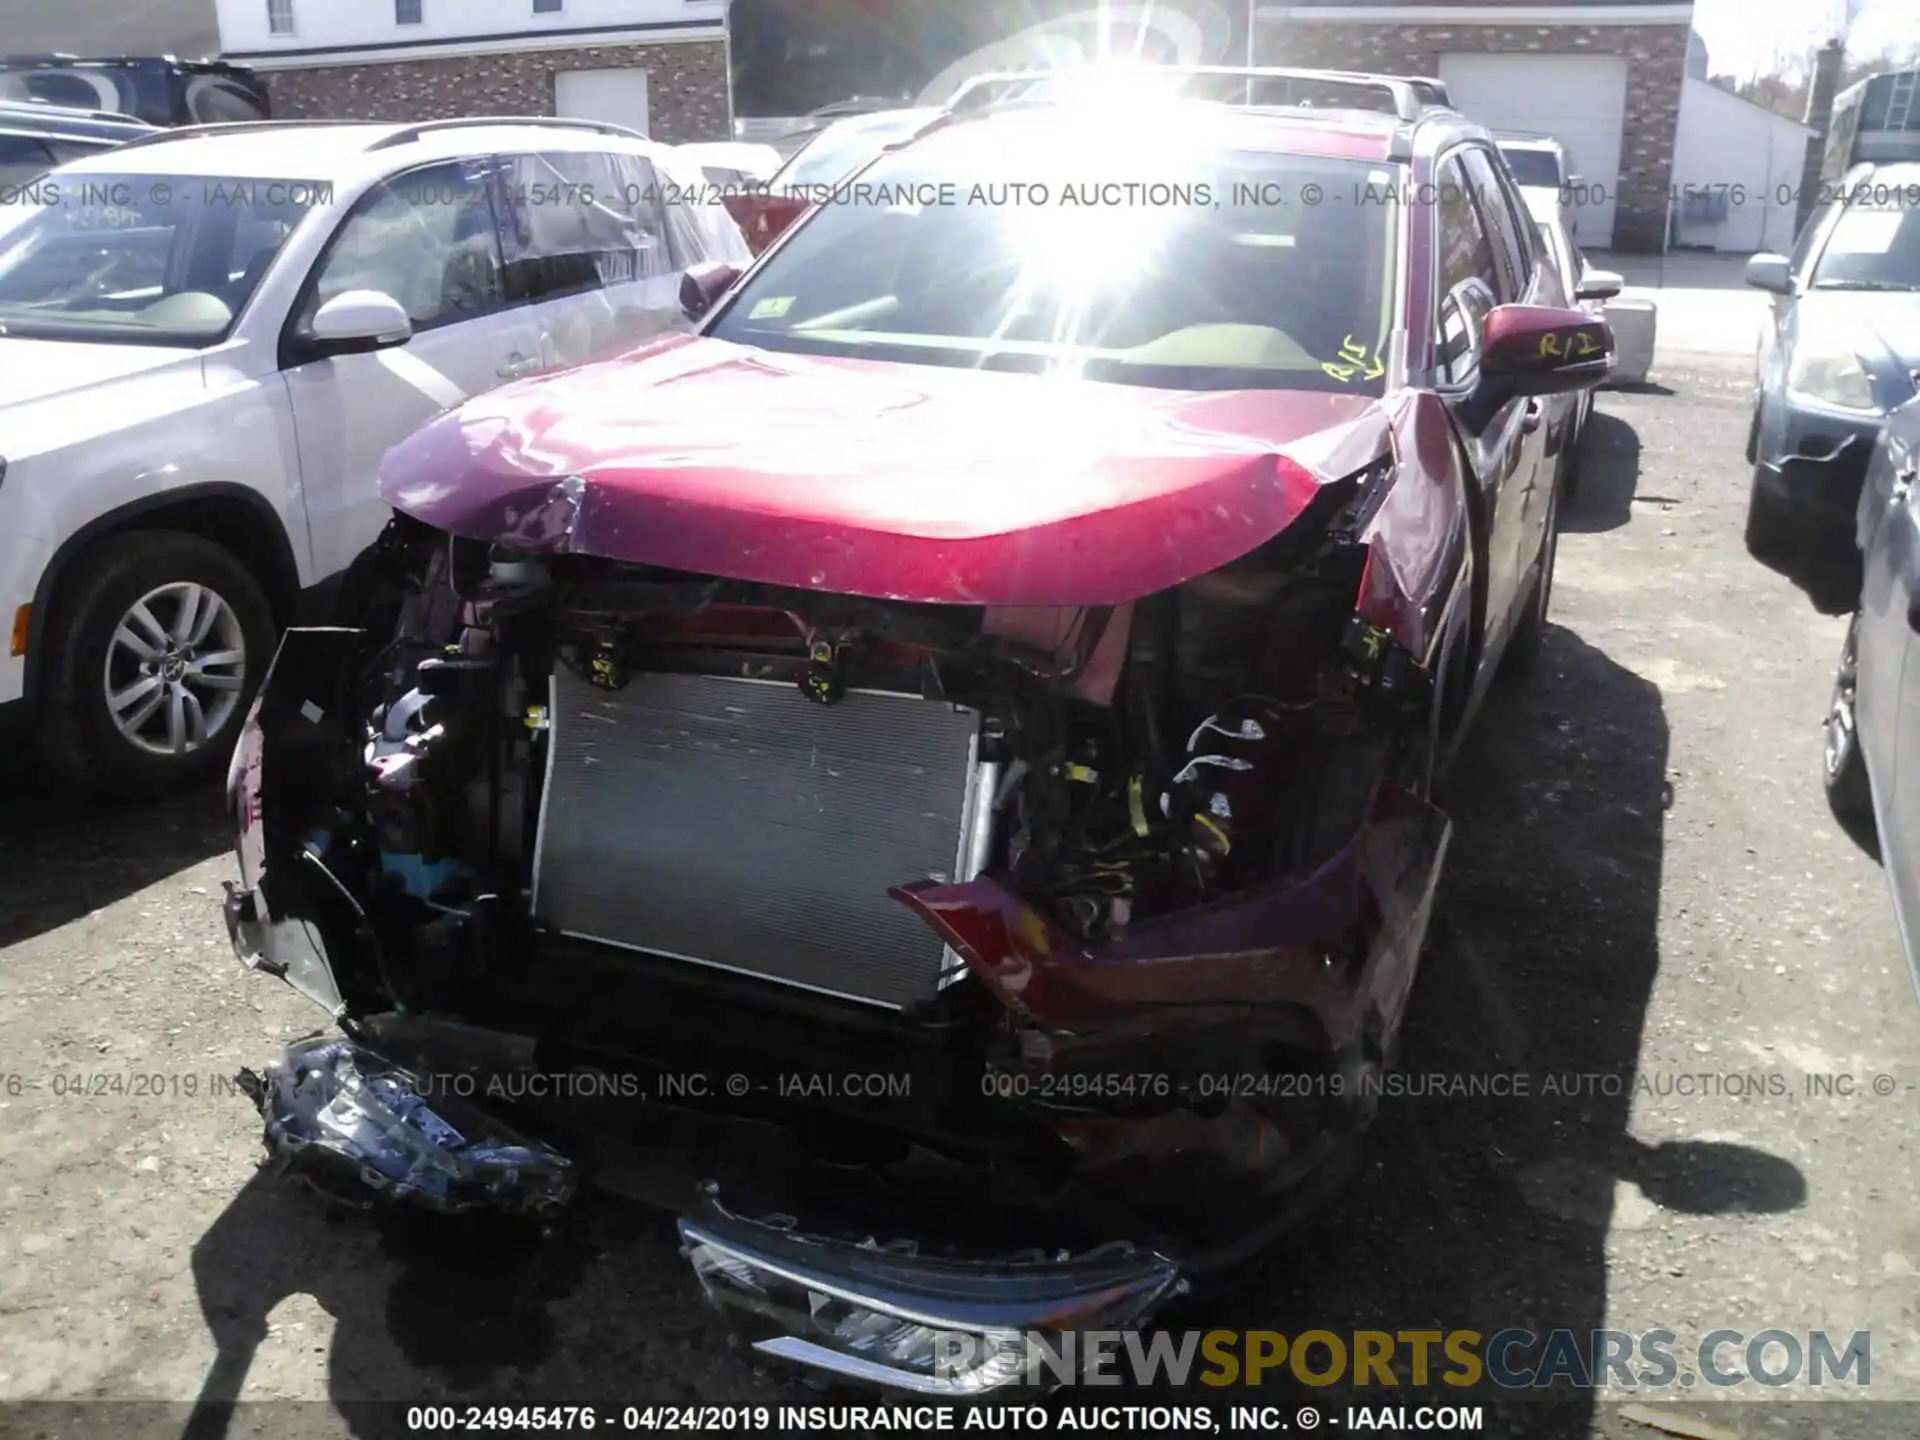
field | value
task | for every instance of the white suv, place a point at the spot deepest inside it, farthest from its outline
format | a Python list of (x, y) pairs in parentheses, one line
[(209, 339)]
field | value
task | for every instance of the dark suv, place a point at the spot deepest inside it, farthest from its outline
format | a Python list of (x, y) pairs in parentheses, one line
[(36, 138), (158, 89)]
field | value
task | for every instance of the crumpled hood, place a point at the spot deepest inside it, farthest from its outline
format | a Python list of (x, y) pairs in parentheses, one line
[(895, 481)]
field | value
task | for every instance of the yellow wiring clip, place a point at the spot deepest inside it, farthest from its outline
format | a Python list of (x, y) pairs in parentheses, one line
[(1226, 845), (1137, 806)]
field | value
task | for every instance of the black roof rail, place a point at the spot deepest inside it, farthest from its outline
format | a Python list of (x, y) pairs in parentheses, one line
[(477, 122), (1405, 93), (41, 108), (58, 60)]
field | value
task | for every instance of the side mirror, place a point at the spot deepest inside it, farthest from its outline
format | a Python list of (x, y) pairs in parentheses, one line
[(1599, 285), (1771, 272), (703, 285), (359, 322), (1543, 350)]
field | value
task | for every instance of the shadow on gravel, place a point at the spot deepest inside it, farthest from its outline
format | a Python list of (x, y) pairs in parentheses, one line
[(432, 1310), (1609, 475), (63, 856), (1829, 576), (1483, 1199), (1493, 1176)]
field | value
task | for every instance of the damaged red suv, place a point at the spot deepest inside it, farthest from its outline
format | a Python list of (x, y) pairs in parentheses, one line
[(954, 734)]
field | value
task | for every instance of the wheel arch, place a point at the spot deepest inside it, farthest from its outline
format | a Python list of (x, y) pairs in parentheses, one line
[(237, 519)]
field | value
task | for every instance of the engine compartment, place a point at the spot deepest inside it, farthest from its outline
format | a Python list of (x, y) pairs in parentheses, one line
[(1143, 759), (1197, 817)]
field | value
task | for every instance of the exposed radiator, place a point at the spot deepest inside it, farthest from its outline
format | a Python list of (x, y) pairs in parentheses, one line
[(738, 824)]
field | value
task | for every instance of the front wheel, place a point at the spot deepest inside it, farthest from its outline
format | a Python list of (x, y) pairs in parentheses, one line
[(1849, 794), (160, 642), (1570, 450)]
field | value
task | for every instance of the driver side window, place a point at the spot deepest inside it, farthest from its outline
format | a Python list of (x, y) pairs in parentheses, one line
[(1469, 278), (428, 239)]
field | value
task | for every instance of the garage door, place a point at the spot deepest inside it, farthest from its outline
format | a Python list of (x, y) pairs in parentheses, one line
[(618, 97), (1580, 100)]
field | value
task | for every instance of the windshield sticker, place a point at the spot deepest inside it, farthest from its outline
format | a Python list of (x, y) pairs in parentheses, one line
[(1356, 362), (771, 308)]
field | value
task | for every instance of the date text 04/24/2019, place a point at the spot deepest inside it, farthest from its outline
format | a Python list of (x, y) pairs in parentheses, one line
[(122, 1085)]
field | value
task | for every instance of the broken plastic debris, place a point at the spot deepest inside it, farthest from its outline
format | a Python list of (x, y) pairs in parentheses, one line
[(356, 1127)]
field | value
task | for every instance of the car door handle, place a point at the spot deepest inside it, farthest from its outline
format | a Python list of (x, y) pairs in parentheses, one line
[(517, 367), (1530, 419)]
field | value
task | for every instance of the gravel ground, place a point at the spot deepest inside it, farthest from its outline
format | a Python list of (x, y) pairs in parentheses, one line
[(1646, 894)]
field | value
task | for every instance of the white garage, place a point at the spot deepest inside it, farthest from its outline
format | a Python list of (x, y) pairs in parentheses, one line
[(1580, 100), (614, 97)]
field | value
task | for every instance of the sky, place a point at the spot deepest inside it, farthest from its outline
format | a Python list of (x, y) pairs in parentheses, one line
[(1742, 35)]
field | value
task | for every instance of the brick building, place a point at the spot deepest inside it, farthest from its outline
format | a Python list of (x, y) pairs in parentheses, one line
[(1603, 76), (659, 66)]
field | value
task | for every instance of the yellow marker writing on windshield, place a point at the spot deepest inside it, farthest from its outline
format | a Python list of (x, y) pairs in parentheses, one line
[(1354, 362)]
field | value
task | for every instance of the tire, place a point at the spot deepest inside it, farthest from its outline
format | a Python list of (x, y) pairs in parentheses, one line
[(1773, 533), (1844, 767), (185, 679), (1570, 452), (1529, 637)]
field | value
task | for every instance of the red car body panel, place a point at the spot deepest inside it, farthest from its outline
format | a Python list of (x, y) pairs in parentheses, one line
[(887, 480), (1417, 540), (1271, 945)]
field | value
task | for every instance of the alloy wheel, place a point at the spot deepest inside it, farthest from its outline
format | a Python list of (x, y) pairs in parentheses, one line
[(176, 669)]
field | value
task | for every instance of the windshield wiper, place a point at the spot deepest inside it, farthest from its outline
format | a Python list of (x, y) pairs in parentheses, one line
[(1866, 285)]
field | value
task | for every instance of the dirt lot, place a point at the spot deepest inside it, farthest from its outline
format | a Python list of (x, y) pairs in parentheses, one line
[(1646, 895)]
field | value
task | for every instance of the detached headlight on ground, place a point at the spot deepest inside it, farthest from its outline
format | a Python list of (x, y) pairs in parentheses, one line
[(891, 1318), (1832, 376)]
